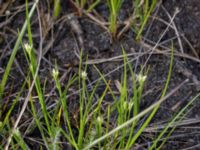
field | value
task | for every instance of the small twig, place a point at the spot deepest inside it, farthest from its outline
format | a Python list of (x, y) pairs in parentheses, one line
[(191, 47), (188, 74), (128, 24), (102, 24), (175, 29), (155, 127), (162, 35)]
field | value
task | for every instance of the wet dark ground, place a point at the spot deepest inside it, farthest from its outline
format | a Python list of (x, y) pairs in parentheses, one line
[(62, 44)]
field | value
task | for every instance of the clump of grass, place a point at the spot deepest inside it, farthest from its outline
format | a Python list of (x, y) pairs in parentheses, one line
[(91, 116), (14, 52), (114, 8), (142, 11), (124, 114), (95, 125)]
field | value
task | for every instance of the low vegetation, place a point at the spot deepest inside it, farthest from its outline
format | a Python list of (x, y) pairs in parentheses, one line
[(94, 124)]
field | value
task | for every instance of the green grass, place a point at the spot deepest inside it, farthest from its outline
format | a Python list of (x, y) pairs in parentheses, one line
[(92, 126), (96, 121), (12, 57), (81, 5), (57, 8), (142, 11), (114, 8)]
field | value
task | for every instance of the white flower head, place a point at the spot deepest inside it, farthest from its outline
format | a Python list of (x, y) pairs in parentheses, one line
[(84, 74), (7, 12), (55, 73), (28, 48), (128, 105), (141, 78)]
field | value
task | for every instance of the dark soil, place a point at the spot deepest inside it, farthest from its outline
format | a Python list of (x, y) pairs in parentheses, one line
[(62, 44)]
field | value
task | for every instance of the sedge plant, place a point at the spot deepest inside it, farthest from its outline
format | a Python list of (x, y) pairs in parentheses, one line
[(124, 118), (96, 127), (92, 122), (114, 8), (142, 12), (124, 106), (89, 113), (14, 52)]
